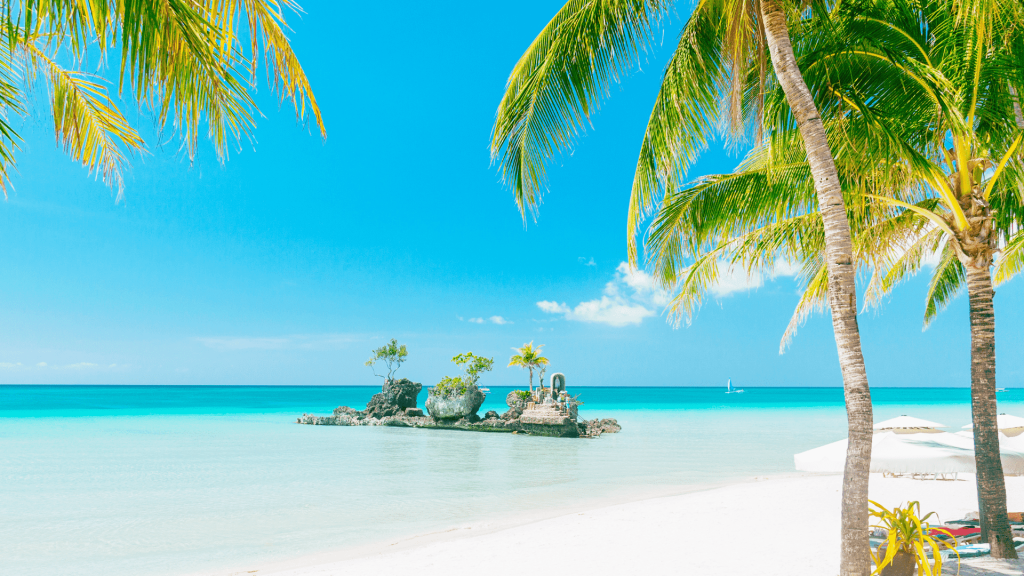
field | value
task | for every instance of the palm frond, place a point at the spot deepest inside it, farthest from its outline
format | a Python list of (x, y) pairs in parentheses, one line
[(813, 299), (1010, 261), (947, 280), (267, 27), (558, 83), (86, 122)]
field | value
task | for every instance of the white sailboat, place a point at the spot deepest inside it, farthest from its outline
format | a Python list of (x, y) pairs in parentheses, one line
[(730, 390)]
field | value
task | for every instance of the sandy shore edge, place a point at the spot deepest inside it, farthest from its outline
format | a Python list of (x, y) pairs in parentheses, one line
[(784, 525)]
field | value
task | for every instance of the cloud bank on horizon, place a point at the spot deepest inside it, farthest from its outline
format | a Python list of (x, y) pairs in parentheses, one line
[(633, 295)]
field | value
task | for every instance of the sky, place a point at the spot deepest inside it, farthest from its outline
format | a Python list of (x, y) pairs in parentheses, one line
[(292, 261)]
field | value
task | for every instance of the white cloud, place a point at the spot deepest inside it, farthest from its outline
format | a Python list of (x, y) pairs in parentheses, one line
[(477, 320), (80, 366), (612, 311), (41, 364), (499, 320), (587, 262), (628, 299), (9, 364), (733, 279), (552, 307), (633, 295), (294, 341)]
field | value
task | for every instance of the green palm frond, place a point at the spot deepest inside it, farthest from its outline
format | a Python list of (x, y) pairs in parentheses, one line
[(184, 59), (86, 122), (684, 114), (558, 83), (267, 27), (813, 299), (908, 262), (11, 103), (1010, 261), (947, 280)]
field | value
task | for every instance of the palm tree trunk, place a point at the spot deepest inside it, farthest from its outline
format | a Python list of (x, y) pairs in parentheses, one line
[(855, 559), (531, 380), (995, 526)]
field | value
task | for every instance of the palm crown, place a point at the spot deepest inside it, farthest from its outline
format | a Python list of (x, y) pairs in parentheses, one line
[(527, 356)]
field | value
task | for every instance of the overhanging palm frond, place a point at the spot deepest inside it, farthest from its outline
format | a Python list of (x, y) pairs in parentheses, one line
[(267, 27), (682, 118), (813, 299), (86, 122), (11, 98), (558, 83), (183, 58), (947, 280), (1010, 261)]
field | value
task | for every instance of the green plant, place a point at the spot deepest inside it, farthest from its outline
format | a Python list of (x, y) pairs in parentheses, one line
[(528, 357), (449, 387), (473, 365), (523, 394), (190, 67), (911, 534), (392, 355)]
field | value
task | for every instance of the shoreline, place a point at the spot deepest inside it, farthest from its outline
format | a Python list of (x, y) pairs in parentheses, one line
[(623, 496), (784, 524)]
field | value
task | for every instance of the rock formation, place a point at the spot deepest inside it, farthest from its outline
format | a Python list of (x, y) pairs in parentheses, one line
[(516, 404), (598, 426), (456, 407), (396, 397), (396, 406)]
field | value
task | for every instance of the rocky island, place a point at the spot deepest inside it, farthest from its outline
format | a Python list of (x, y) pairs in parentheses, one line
[(543, 412), (453, 403)]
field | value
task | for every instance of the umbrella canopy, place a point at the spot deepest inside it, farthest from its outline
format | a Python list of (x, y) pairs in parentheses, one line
[(939, 453), (909, 425), (1007, 424)]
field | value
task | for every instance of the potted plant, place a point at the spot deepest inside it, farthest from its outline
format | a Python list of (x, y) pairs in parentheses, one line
[(909, 540)]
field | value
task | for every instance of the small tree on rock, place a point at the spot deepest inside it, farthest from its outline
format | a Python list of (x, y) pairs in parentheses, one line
[(528, 357), (392, 355), (473, 366)]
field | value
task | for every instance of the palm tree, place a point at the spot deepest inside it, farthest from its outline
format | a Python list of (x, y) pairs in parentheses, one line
[(188, 63), (528, 357), (964, 198), (558, 82)]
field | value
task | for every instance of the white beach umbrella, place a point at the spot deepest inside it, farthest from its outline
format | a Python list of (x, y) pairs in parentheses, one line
[(1007, 424), (909, 425), (940, 453)]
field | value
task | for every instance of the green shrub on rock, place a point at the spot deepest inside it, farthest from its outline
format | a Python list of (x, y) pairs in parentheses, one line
[(472, 366), (449, 387)]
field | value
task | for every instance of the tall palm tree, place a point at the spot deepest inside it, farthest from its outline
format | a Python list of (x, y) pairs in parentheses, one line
[(558, 82), (188, 62), (527, 356), (965, 197)]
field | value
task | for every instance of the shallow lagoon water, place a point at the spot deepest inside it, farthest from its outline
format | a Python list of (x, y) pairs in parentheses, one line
[(175, 480)]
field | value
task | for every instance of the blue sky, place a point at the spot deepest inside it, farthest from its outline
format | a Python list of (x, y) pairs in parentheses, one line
[(293, 260)]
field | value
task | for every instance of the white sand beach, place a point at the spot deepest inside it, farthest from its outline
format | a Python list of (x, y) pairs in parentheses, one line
[(778, 526)]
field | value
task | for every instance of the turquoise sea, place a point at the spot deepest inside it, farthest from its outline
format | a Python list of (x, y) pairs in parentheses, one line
[(168, 480)]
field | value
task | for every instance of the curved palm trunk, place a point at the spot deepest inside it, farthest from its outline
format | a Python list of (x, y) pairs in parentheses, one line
[(855, 556), (995, 526)]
